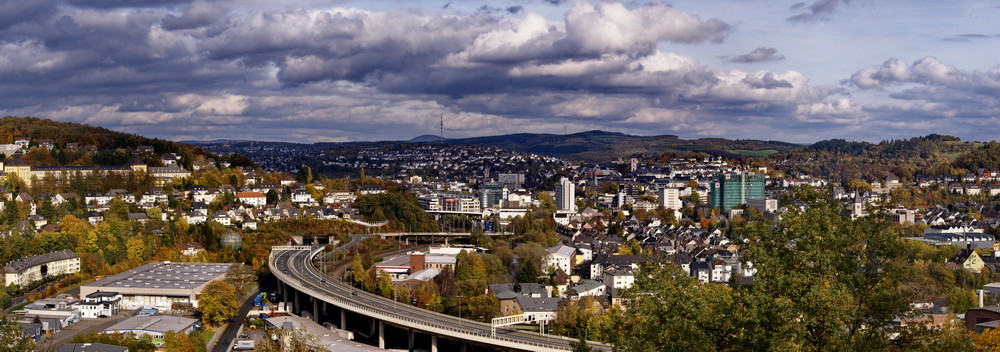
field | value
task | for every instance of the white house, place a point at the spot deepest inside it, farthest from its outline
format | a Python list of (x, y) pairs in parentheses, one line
[(254, 199), (558, 257)]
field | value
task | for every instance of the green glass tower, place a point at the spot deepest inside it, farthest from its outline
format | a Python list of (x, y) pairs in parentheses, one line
[(734, 189)]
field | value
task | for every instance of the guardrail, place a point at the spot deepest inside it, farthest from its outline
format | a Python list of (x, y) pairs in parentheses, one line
[(485, 335)]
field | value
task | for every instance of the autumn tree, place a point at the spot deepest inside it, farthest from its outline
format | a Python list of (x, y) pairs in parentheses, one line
[(217, 302)]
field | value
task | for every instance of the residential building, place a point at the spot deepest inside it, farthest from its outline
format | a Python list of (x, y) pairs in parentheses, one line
[(566, 195), (670, 198), (27, 270)]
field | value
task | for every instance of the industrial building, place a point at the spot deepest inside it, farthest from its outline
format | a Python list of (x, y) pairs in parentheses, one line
[(160, 284)]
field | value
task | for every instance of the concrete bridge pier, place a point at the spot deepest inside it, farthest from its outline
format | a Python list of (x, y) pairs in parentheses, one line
[(297, 308), (434, 343), (316, 310), (409, 346), (343, 319), (381, 334)]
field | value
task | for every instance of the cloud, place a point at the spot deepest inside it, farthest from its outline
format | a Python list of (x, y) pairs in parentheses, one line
[(248, 70), (818, 10), (761, 54), (895, 72)]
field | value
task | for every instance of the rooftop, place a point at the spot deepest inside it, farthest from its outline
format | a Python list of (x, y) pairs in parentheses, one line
[(158, 323)]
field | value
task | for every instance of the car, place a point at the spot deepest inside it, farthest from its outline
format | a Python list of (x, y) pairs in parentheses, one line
[(244, 336), (322, 280), (102, 316)]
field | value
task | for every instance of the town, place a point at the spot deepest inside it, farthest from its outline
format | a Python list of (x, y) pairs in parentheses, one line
[(562, 244)]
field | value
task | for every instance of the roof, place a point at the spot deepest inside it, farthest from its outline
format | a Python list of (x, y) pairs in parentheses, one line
[(531, 304), (22, 264), (562, 250), (586, 285), (250, 195), (158, 323), (90, 347)]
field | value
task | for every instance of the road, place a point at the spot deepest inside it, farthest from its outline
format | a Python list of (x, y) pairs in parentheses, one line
[(226, 340), (294, 267)]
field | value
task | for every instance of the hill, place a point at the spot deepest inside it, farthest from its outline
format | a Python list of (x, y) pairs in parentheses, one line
[(113, 148), (840, 160), (600, 146)]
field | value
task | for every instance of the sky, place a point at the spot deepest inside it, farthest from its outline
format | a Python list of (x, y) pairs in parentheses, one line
[(337, 71)]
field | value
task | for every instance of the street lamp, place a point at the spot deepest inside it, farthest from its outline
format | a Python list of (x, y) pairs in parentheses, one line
[(460, 309)]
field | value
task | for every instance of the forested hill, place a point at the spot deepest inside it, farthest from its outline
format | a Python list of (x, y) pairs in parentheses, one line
[(600, 146), (841, 160), (114, 148)]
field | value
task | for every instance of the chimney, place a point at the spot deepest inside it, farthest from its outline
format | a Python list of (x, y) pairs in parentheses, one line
[(981, 294), (417, 262)]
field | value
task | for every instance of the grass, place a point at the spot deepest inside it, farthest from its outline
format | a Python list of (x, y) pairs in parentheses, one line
[(753, 153), (952, 156)]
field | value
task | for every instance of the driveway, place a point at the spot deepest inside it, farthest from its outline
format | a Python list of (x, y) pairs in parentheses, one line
[(63, 337)]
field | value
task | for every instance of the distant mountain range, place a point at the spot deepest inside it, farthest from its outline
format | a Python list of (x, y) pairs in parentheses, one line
[(603, 146)]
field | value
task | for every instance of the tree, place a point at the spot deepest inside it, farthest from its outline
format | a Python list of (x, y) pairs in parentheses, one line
[(824, 282), (11, 336), (470, 267), (272, 196), (358, 274), (176, 342), (217, 303)]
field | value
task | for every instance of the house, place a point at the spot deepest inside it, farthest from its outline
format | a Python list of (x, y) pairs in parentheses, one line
[(64, 197), (371, 189), (138, 217), (254, 199), (537, 310), (558, 257), (100, 304), (26, 198), (301, 196), (619, 278), (588, 287), (190, 249), (969, 260), (222, 218), (340, 197), (95, 218)]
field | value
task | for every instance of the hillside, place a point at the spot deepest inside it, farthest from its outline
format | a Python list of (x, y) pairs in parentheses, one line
[(113, 147), (840, 160), (600, 146)]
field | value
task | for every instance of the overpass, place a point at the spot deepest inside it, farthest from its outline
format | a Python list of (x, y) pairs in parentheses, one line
[(301, 282), (435, 234)]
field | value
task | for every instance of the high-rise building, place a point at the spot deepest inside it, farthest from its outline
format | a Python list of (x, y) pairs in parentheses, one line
[(566, 195), (670, 198), (491, 193), (734, 189)]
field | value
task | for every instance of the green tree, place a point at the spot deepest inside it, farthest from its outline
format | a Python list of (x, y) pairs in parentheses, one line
[(470, 267), (217, 303), (11, 336)]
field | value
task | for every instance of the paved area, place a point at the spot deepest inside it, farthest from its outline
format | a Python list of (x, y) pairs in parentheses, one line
[(84, 325)]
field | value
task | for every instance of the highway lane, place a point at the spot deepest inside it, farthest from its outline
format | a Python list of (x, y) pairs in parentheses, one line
[(297, 269)]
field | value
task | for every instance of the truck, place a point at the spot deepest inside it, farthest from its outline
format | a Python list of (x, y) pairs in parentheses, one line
[(242, 345)]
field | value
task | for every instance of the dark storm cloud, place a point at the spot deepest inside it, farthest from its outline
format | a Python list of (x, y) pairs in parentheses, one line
[(818, 10), (967, 37), (761, 54), (203, 69), (765, 82)]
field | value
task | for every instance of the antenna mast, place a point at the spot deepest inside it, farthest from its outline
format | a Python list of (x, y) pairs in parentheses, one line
[(442, 130)]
